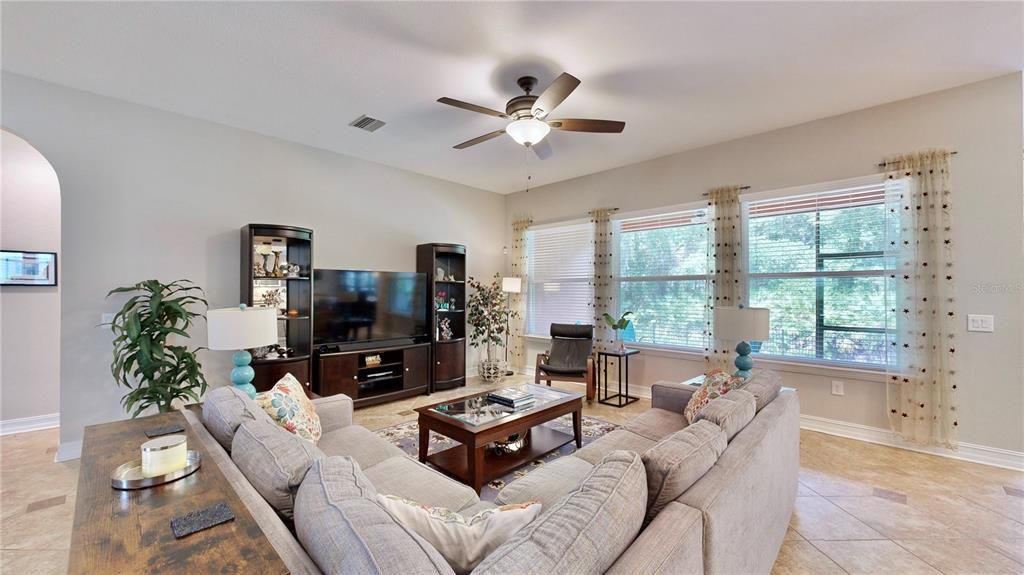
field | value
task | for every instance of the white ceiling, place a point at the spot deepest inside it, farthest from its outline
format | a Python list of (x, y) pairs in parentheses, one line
[(681, 75)]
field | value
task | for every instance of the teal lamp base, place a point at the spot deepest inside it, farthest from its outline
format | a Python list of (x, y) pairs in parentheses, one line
[(243, 374), (743, 361)]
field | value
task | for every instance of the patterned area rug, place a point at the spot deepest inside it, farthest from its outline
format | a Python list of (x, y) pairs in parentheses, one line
[(406, 437)]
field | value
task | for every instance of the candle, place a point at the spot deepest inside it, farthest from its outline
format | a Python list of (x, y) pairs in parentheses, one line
[(164, 455)]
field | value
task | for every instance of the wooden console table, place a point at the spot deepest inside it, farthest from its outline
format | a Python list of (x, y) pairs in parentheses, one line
[(130, 531)]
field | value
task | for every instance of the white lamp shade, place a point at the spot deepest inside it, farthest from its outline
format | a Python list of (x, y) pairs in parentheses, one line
[(742, 324), (528, 131), (233, 328), (512, 285)]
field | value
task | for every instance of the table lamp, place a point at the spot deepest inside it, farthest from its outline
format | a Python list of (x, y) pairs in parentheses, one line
[(743, 324), (509, 286), (241, 328)]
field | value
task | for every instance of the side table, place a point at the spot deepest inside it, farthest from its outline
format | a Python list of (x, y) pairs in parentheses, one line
[(622, 398)]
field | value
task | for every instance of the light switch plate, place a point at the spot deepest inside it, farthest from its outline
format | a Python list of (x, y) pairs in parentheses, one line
[(837, 388), (985, 323)]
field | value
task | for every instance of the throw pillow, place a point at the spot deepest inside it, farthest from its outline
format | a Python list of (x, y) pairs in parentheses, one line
[(675, 463), (286, 403), (717, 382), (463, 542)]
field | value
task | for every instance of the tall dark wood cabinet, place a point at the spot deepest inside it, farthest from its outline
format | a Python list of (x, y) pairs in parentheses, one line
[(445, 266), (277, 271)]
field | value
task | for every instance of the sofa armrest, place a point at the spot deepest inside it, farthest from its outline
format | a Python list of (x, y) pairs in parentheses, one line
[(335, 411), (671, 396), (672, 543)]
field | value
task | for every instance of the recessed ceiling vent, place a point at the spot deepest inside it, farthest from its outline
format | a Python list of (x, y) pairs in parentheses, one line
[(367, 123)]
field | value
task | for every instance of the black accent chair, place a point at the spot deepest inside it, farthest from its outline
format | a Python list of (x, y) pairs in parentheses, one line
[(571, 357)]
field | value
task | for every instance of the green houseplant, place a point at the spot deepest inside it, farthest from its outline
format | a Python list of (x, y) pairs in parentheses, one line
[(487, 313), (155, 370), (618, 324)]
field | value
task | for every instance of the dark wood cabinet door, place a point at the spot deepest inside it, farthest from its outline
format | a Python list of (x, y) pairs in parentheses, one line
[(269, 373), (449, 360), (416, 361), (339, 373)]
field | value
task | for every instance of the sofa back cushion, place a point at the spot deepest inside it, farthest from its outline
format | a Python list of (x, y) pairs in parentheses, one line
[(765, 387), (585, 531), (731, 412), (224, 409), (274, 461), (678, 461), (345, 530)]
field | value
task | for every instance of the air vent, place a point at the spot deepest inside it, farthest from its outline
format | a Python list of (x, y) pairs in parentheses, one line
[(367, 123)]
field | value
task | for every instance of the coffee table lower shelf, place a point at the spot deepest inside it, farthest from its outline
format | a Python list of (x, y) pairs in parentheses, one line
[(542, 440)]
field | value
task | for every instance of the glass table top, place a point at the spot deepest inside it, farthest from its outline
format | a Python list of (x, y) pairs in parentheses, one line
[(478, 410)]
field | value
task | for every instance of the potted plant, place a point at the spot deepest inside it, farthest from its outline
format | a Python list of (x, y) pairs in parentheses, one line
[(488, 315), (155, 370), (616, 325)]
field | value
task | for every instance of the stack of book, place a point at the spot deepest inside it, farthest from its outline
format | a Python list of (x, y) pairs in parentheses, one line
[(513, 397)]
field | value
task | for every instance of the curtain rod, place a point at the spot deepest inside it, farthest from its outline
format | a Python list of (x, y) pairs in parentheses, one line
[(706, 194), (884, 164)]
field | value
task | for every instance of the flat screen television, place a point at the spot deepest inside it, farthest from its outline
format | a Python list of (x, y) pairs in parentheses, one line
[(358, 307)]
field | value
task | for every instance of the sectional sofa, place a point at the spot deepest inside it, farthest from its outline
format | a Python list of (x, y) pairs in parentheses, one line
[(317, 504)]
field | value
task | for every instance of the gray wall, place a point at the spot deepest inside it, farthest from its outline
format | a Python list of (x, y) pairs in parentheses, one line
[(982, 121), (148, 194), (30, 315)]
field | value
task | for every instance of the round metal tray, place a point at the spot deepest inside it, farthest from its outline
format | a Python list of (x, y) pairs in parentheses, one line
[(129, 475)]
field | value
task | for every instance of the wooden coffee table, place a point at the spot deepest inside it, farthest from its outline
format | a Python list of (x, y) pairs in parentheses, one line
[(475, 423)]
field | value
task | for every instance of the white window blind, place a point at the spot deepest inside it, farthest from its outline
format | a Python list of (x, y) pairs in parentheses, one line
[(662, 277), (818, 262), (561, 269)]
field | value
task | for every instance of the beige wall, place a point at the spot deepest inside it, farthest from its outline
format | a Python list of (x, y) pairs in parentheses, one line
[(153, 194), (30, 315), (981, 121)]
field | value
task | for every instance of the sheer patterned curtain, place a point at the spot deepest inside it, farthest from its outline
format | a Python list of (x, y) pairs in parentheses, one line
[(604, 285), (517, 301), (921, 373), (724, 273)]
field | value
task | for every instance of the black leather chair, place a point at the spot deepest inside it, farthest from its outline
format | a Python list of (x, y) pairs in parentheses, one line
[(571, 357)]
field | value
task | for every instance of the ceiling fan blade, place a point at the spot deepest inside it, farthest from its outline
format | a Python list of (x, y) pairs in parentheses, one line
[(542, 149), (472, 107), (579, 125), (479, 139), (554, 95)]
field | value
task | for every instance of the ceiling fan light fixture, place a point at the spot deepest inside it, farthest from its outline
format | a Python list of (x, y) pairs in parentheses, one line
[(528, 131)]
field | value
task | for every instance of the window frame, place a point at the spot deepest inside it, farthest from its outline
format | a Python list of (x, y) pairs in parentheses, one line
[(819, 303)]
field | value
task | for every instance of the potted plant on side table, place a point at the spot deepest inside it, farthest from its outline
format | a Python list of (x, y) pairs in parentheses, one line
[(488, 315), (618, 325), (156, 370)]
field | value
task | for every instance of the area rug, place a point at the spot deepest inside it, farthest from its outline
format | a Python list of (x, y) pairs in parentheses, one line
[(406, 437)]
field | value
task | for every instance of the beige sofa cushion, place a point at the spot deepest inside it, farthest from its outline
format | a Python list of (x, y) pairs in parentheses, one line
[(548, 483), (345, 530), (618, 439), (586, 530), (732, 411), (273, 460), (656, 424), (678, 461), (225, 408), (404, 477), (765, 387), (359, 443)]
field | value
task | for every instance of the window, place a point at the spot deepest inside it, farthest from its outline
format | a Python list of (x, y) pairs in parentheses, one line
[(560, 272), (662, 277), (818, 262)]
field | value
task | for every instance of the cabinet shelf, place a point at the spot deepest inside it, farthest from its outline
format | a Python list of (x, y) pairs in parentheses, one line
[(382, 365), (449, 310), (291, 317)]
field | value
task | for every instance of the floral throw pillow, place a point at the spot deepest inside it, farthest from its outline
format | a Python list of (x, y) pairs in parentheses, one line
[(717, 382), (288, 406), (463, 541)]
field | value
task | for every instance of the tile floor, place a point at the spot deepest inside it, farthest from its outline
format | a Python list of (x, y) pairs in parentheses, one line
[(861, 508)]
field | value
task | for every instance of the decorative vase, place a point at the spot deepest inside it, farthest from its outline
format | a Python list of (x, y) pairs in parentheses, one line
[(492, 370)]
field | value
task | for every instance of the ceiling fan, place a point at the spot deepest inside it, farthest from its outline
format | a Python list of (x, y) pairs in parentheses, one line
[(529, 113)]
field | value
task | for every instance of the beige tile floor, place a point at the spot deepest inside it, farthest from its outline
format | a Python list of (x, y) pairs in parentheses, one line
[(861, 508)]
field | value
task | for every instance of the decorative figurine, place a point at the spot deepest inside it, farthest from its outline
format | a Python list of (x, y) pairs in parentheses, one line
[(294, 270), (258, 271), (272, 298), (277, 261), (446, 329), (440, 274), (452, 301)]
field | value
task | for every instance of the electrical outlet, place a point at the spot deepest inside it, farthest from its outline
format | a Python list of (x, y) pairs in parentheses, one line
[(985, 323), (837, 388)]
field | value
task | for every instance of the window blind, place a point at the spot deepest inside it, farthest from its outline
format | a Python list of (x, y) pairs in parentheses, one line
[(662, 277), (560, 271), (818, 261)]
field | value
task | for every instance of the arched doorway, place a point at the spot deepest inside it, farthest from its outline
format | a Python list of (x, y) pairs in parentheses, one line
[(29, 315)]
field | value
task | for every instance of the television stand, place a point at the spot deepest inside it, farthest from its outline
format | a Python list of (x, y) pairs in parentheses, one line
[(373, 375)]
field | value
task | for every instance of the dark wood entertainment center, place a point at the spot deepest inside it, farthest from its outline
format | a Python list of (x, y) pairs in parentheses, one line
[(403, 371)]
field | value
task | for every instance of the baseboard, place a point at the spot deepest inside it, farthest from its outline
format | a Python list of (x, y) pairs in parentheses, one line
[(971, 452), (26, 424), (68, 450)]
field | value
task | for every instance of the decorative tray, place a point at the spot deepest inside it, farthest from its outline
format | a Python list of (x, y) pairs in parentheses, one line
[(129, 475)]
